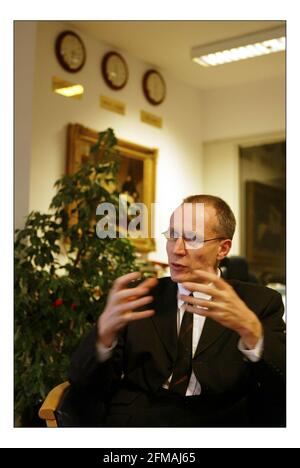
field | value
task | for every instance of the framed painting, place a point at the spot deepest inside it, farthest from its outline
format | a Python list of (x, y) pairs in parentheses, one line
[(136, 176), (265, 228)]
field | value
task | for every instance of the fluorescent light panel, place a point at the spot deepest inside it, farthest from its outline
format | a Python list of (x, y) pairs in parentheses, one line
[(240, 48)]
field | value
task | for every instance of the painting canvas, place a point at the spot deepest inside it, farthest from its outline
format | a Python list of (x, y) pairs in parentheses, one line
[(265, 227), (136, 174)]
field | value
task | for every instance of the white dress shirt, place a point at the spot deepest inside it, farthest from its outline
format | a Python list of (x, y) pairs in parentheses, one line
[(194, 387)]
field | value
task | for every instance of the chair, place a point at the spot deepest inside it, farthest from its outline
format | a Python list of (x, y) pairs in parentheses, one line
[(65, 406), (236, 267)]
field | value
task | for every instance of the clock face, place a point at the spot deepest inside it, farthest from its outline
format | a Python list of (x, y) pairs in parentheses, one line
[(154, 87), (114, 70), (70, 51)]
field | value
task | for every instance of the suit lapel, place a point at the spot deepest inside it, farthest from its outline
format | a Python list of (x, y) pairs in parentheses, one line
[(165, 321), (211, 332), (165, 318)]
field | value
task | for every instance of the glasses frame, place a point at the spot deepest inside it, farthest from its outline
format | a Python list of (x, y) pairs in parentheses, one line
[(174, 239)]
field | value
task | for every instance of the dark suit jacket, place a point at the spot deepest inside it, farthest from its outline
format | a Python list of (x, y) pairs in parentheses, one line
[(235, 392)]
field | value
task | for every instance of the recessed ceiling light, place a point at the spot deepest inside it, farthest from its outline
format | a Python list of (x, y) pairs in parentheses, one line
[(240, 48)]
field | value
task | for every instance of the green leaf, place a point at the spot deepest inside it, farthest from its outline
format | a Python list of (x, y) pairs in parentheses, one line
[(56, 261)]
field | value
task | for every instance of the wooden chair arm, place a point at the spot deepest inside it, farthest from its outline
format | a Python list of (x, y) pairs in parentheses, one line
[(51, 402)]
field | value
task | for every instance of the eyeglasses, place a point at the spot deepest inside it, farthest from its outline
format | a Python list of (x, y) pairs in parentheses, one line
[(190, 239)]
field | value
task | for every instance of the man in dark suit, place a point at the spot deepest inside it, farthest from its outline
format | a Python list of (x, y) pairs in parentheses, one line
[(205, 353)]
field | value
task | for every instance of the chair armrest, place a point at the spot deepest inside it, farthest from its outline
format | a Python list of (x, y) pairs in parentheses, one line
[(51, 403)]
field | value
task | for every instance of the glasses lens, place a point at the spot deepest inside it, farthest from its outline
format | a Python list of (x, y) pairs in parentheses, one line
[(192, 240), (171, 235)]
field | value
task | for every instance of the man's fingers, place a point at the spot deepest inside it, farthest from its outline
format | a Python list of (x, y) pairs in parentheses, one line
[(198, 311), (204, 288), (140, 290), (149, 283), (211, 278), (132, 316), (131, 305), (123, 281), (133, 293), (214, 314), (200, 302)]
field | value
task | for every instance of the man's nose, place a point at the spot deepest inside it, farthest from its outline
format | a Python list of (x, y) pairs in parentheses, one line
[(179, 247)]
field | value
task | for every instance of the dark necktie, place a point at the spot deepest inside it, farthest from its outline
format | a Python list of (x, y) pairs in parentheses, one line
[(183, 365)]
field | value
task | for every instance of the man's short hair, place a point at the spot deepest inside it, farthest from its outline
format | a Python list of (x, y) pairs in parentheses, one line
[(227, 223)]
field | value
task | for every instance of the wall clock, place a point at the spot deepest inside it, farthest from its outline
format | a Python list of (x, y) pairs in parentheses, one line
[(70, 51), (114, 70), (154, 87)]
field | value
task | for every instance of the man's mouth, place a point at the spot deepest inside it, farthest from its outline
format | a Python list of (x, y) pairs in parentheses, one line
[(178, 266)]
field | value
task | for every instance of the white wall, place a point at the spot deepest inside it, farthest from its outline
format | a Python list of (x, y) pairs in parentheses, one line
[(179, 169), (25, 40), (245, 110), (222, 119), (221, 178), (238, 116)]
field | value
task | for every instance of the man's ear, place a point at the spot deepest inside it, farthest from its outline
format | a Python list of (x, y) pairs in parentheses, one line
[(223, 249)]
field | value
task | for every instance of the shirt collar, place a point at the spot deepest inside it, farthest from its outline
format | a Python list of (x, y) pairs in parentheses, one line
[(186, 292)]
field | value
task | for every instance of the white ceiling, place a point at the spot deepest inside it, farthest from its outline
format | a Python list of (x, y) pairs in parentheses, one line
[(166, 45)]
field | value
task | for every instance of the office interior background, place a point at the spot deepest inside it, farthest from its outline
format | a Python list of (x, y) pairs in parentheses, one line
[(218, 130)]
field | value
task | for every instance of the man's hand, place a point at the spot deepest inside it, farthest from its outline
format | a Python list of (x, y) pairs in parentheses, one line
[(225, 307), (120, 306)]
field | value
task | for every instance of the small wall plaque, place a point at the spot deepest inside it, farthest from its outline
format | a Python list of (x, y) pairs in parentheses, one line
[(112, 105), (151, 119)]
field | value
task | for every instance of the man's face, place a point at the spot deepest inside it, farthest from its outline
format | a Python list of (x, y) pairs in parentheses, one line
[(184, 260)]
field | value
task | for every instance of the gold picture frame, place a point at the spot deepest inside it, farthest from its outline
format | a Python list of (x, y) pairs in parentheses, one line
[(140, 159)]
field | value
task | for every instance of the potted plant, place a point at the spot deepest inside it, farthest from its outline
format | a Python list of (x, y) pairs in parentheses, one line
[(63, 273)]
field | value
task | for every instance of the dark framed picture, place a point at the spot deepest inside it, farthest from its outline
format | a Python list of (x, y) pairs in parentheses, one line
[(265, 227)]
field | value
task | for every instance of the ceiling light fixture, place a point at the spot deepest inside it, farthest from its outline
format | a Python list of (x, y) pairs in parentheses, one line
[(251, 45)]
